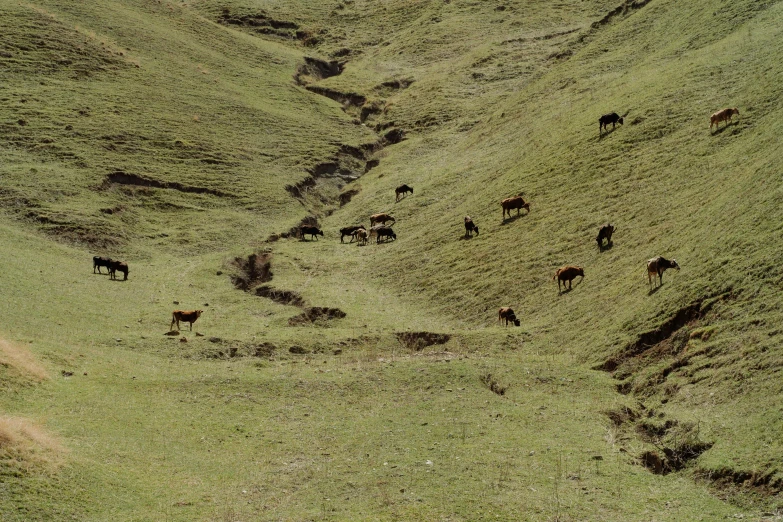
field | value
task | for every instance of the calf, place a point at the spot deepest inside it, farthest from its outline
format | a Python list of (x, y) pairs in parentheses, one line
[(567, 274), (402, 191), (98, 262), (350, 231), (507, 314), (313, 231), (361, 236), (605, 232), (517, 202), (723, 115), (186, 316), (606, 119), (118, 266), (470, 227), (381, 218), (657, 266)]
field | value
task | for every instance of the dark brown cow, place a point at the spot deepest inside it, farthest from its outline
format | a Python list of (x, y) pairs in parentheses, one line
[(723, 115), (605, 232), (507, 314), (118, 266), (567, 274), (381, 218), (186, 316), (402, 191), (98, 262), (657, 266), (470, 227), (350, 231), (517, 202), (606, 119), (312, 231)]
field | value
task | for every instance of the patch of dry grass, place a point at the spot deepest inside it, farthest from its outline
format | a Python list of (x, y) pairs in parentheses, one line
[(25, 444), (22, 361)]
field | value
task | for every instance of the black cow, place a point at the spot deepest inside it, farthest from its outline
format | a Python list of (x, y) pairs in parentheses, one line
[(313, 231), (605, 232), (606, 119), (98, 262), (350, 231), (387, 232), (402, 191), (118, 266), (470, 227)]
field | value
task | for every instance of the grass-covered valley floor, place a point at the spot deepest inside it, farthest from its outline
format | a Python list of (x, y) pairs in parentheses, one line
[(327, 381)]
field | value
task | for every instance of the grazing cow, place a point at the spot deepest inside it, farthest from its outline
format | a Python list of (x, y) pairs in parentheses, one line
[(350, 231), (507, 314), (98, 262), (605, 232), (313, 231), (723, 115), (402, 191), (470, 227), (517, 202), (118, 266), (657, 266), (381, 218), (361, 236), (567, 274), (384, 231), (186, 316), (606, 119)]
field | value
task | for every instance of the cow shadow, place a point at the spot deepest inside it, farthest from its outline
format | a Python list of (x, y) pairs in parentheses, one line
[(465, 238), (118, 280), (607, 247), (721, 130), (606, 133), (511, 219), (654, 289)]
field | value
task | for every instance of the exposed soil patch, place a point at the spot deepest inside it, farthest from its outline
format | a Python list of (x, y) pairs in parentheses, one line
[(123, 178), (314, 314), (261, 23), (420, 340), (284, 297), (317, 69), (253, 270), (345, 197), (764, 483)]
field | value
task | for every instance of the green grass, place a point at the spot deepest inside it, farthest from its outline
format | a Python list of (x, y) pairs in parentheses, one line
[(501, 102)]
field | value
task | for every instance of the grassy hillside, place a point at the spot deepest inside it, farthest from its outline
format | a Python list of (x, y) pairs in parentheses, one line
[(180, 136)]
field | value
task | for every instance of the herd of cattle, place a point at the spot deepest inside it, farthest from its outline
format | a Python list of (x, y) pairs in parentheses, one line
[(112, 266), (380, 231)]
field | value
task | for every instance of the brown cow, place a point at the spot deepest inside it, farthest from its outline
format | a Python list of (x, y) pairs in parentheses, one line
[(402, 191), (470, 227), (657, 266), (723, 115), (186, 316), (507, 314), (567, 274), (118, 266), (517, 202), (381, 218)]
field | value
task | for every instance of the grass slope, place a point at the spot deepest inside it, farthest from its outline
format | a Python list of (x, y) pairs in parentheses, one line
[(492, 100)]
